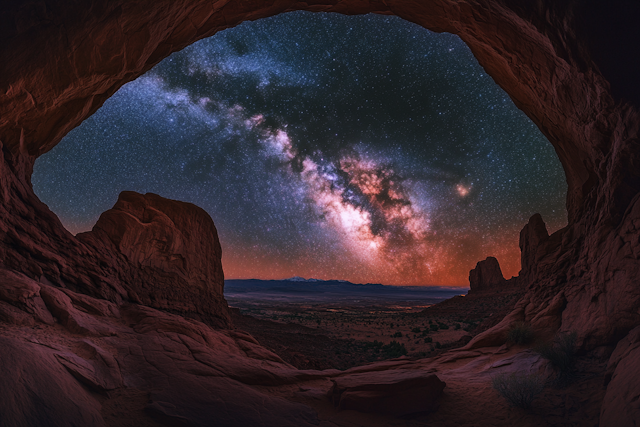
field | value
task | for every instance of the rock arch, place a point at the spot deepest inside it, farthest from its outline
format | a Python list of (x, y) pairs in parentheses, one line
[(60, 61)]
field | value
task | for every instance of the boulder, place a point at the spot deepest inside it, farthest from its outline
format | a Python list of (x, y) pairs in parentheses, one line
[(390, 392)]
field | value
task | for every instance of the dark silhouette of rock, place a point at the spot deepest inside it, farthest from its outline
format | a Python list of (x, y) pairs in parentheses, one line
[(621, 407), (532, 238), (486, 276)]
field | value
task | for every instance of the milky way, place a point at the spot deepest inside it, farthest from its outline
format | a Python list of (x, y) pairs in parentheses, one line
[(360, 148)]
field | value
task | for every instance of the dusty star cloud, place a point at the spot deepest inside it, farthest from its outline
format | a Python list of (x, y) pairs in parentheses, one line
[(363, 148)]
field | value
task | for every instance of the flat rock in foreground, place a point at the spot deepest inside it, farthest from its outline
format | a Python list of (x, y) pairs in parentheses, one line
[(391, 392)]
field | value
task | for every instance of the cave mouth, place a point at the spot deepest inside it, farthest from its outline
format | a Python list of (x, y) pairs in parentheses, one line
[(306, 147)]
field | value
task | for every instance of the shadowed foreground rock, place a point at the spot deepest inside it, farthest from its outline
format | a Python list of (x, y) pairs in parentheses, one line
[(57, 374), (396, 392), (37, 390), (622, 402), (486, 276)]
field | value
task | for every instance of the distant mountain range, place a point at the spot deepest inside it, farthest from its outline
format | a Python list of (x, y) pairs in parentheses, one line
[(299, 286), (302, 279), (312, 280)]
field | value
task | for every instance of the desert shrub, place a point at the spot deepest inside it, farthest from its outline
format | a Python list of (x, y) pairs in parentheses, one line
[(561, 353), (456, 326), (438, 345), (375, 345), (397, 335), (443, 325), (433, 327), (518, 389), (416, 330), (394, 349), (428, 340), (520, 333), (470, 326)]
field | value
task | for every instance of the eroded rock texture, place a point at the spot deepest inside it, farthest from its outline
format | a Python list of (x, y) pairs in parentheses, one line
[(175, 247), (621, 406), (176, 266), (106, 364), (59, 61)]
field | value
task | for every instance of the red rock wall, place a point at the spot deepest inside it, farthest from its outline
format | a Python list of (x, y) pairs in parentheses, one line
[(60, 60), (176, 266), (175, 247)]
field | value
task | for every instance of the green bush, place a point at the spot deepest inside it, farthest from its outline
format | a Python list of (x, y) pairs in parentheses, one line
[(561, 353), (520, 333), (518, 389)]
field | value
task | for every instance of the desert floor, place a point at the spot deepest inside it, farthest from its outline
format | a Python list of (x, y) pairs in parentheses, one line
[(321, 336)]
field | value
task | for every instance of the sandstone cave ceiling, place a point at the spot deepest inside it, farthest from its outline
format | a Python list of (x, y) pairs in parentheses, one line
[(364, 148)]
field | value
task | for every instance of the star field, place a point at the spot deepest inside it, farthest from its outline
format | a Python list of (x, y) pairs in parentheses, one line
[(362, 148)]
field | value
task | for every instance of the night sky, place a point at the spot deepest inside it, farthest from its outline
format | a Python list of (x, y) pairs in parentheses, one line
[(360, 148)]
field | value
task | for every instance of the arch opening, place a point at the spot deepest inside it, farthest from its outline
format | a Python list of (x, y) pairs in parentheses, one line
[(60, 65), (378, 147)]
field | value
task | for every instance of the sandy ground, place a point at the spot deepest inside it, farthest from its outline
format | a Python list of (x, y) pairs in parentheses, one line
[(418, 334)]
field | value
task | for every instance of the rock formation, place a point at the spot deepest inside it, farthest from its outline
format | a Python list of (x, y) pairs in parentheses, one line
[(486, 276), (397, 393), (175, 248), (565, 64), (159, 366)]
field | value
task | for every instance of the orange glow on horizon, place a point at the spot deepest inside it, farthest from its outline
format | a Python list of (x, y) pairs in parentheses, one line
[(452, 269)]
